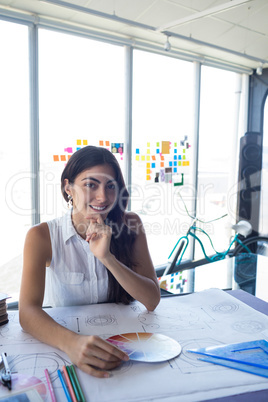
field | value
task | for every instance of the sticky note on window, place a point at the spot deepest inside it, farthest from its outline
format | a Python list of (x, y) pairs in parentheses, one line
[(148, 177), (162, 157), (101, 143), (148, 151), (148, 157), (165, 147), (56, 158), (63, 158), (153, 158), (137, 157), (84, 142), (162, 164), (143, 157), (147, 164), (153, 165), (148, 144), (78, 142), (137, 151), (107, 143)]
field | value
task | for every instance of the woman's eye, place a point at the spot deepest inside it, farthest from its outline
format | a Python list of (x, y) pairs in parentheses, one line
[(90, 185), (111, 186)]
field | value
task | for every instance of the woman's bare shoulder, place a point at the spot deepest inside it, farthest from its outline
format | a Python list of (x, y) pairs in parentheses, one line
[(133, 221)]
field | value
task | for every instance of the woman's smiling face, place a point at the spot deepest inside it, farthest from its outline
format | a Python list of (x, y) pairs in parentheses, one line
[(94, 191)]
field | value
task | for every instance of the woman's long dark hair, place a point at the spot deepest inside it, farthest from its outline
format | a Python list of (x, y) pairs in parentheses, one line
[(123, 237)]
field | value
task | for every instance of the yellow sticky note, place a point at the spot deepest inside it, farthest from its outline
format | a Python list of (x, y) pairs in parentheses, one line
[(143, 157), (148, 177), (137, 157), (147, 164), (148, 157), (78, 142), (84, 142), (148, 151), (148, 144), (148, 171)]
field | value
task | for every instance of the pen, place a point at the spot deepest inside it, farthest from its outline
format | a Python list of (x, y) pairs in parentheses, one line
[(6, 377), (69, 383), (77, 383), (64, 386), (49, 383)]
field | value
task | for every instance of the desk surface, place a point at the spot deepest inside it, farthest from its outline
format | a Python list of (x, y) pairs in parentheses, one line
[(212, 317), (248, 272)]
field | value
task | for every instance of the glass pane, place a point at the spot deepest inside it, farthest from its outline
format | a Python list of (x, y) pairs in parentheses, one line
[(217, 156), (263, 221), (161, 160), (15, 201), (81, 102)]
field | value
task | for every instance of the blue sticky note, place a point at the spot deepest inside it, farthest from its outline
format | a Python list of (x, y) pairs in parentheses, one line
[(170, 164), (153, 165), (137, 151)]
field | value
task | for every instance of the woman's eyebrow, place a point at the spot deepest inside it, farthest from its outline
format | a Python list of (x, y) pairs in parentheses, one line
[(98, 181)]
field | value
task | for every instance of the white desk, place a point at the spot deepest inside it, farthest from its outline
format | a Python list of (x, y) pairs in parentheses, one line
[(200, 319)]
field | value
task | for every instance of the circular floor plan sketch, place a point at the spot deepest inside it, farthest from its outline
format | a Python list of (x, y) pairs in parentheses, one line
[(101, 320), (147, 347)]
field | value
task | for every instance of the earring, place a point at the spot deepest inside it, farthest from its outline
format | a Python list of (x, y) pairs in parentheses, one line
[(70, 201)]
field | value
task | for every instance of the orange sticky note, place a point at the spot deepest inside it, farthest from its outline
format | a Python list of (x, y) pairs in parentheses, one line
[(153, 157), (63, 158), (165, 147), (162, 158), (56, 158), (101, 143), (69, 156), (107, 143), (162, 164)]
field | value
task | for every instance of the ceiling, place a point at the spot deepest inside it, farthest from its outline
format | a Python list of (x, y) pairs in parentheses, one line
[(234, 32)]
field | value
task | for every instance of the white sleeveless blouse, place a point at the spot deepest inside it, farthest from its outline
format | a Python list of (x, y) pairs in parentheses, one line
[(75, 276)]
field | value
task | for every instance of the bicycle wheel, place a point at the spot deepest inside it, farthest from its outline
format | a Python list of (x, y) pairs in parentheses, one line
[(256, 244)]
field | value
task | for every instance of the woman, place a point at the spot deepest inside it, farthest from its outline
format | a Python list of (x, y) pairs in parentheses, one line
[(95, 253)]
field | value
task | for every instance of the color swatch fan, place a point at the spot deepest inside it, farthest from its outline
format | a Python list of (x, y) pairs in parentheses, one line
[(147, 347)]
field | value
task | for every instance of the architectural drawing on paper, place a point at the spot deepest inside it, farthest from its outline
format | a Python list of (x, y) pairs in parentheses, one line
[(187, 362), (225, 308), (101, 320), (249, 327)]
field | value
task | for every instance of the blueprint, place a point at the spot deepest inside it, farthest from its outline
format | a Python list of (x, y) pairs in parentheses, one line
[(207, 318)]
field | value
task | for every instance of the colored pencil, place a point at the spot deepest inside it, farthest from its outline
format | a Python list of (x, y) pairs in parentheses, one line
[(67, 394), (76, 391), (69, 384), (77, 383), (50, 388)]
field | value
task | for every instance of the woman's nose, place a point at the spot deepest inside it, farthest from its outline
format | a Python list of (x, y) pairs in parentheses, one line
[(101, 194)]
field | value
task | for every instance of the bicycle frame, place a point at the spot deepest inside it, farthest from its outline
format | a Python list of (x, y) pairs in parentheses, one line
[(191, 232)]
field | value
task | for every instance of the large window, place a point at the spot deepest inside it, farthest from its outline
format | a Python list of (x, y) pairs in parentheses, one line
[(162, 139), (81, 85), (15, 199), (217, 160)]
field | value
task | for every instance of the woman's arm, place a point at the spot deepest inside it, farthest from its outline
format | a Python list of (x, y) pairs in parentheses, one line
[(141, 282), (87, 352)]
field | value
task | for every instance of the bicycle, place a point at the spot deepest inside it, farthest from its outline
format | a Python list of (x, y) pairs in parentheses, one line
[(243, 229)]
